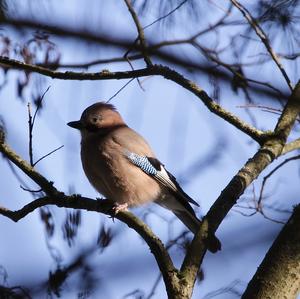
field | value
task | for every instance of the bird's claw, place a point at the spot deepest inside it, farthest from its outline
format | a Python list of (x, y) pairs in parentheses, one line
[(118, 208)]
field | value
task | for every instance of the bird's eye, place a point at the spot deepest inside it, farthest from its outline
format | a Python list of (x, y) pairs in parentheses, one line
[(94, 119)]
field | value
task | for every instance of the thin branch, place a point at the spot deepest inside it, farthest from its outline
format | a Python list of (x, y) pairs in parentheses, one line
[(141, 34), (154, 287), (30, 128), (116, 93), (233, 68), (291, 56), (104, 206), (39, 105), (132, 68), (263, 37), (271, 173), (50, 153), (31, 121), (293, 145), (151, 48), (255, 211), (30, 190), (231, 288), (166, 15)]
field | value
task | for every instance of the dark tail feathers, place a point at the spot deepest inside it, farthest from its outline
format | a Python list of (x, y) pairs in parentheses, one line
[(193, 223)]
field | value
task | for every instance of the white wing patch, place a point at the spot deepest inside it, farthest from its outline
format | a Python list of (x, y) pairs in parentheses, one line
[(164, 178)]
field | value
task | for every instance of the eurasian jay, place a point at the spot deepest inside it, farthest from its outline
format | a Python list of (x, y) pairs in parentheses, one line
[(120, 164)]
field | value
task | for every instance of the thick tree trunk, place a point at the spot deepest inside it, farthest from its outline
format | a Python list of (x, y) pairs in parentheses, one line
[(278, 276)]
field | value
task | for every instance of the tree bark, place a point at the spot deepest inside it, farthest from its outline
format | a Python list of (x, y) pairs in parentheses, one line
[(278, 276)]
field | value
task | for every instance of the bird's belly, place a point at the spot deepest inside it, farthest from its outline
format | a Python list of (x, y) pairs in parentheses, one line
[(120, 181), (136, 188)]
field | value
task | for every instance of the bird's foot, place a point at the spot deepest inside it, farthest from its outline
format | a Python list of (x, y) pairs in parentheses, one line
[(120, 207)]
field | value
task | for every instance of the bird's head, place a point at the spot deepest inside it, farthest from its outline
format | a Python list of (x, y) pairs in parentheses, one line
[(97, 118)]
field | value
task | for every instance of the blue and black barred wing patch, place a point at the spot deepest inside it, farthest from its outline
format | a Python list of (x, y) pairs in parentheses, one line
[(155, 168), (142, 162)]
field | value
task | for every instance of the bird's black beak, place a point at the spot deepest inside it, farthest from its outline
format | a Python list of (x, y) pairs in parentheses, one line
[(76, 124)]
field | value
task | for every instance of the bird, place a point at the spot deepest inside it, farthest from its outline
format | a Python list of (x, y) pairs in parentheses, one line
[(120, 164)]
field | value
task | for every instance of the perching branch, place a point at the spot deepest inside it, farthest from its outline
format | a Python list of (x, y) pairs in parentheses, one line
[(55, 197)]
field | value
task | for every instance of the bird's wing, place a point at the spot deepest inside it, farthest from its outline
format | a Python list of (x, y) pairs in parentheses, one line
[(153, 167)]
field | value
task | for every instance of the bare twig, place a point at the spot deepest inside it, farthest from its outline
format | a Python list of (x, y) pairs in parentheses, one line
[(141, 34), (264, 108), (292, 56), (31, 121), (233, 68), (39, 105), (166, 15), (30, 128), (255, 211), (261, 34), (154, 287), (231, 288), (50, 153), (271, 173), (132, 68), (30, 190), (115, 94)]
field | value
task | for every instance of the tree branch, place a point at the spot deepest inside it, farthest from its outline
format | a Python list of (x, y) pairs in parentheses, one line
[(192, 261), (293, 145), (257, 135), (278, 275), (270, 150), (104, 206)]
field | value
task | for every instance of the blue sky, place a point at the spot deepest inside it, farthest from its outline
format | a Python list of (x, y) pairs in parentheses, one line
[(181, 131)]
